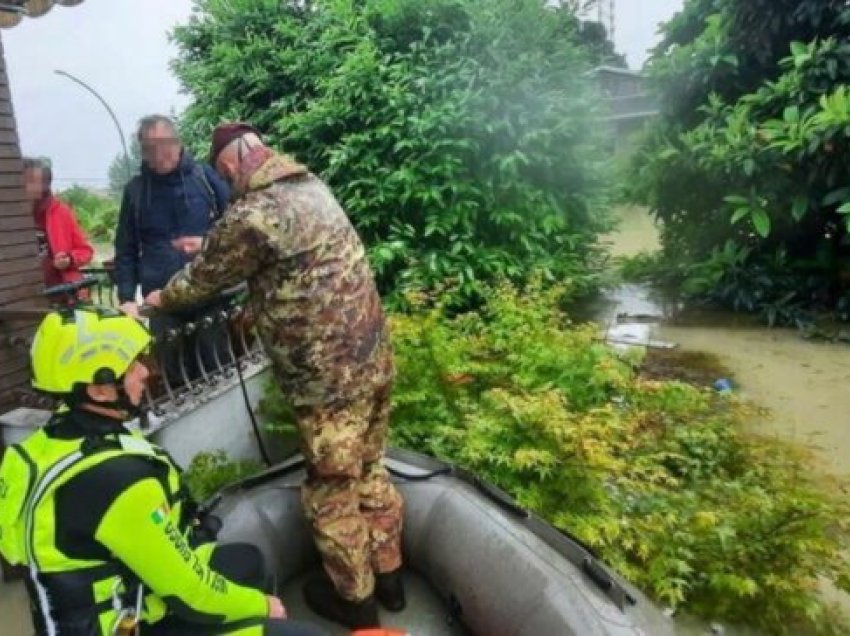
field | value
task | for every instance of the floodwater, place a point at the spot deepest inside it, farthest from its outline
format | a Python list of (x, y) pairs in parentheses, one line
[(802, 385), (14, 610), (805, 385)]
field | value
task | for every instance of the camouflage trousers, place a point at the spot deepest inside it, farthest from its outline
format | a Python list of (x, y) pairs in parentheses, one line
[(355, 510)]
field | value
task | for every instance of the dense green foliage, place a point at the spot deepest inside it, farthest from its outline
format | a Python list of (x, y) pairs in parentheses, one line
[(659, 477), (458, 134), (748, 166), (97, 214)]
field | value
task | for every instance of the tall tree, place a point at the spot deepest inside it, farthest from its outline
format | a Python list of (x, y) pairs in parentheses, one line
[(748, 166), (594, 35), (459, 134)]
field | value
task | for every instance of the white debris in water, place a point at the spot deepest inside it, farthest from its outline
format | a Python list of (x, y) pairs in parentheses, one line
[(625, 336)]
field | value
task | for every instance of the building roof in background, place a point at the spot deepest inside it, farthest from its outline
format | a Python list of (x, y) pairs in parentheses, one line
[(616, 70), (13, 11)]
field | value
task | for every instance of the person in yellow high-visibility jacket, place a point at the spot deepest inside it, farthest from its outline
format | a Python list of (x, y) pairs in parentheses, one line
[(99, 516)]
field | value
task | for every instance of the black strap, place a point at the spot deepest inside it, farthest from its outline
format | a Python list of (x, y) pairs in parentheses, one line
[(71, 592), (134, 194), (200, 175)]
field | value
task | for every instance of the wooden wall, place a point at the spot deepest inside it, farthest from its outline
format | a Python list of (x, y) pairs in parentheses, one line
[(20, 274)]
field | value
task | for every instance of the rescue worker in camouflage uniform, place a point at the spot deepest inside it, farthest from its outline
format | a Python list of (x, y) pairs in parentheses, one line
[(320, 319)]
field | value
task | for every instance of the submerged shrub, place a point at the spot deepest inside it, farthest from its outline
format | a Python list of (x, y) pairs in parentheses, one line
[(661, 478)]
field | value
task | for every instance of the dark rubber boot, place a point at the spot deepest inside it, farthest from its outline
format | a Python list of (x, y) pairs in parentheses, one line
[(389, 590), (323, 599)]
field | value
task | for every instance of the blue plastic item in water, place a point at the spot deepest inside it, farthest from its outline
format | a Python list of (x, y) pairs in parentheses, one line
[(723, 385)]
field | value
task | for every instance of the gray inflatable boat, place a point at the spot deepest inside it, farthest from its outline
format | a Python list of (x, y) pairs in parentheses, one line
[(476, 562)]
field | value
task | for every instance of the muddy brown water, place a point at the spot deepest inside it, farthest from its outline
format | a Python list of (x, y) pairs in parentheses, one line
[(803, 385)]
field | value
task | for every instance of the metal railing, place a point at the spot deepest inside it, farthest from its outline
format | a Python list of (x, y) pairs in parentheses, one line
[(105, 292), (188, 367), (199, 378)]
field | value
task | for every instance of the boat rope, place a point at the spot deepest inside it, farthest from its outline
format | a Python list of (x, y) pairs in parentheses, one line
[(264, 453)]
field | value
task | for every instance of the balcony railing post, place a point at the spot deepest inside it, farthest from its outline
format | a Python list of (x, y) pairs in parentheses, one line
[(188, 330), (162, 343), (105, 292), (227, 320), (208, 379)]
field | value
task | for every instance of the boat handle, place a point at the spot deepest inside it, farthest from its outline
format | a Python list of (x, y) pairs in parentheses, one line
[(500, 497), (607, 584)]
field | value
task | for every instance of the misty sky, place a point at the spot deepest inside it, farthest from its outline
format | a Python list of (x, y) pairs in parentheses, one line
[(120, 47)]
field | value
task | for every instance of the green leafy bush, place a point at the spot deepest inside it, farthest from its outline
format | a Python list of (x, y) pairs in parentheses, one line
[(753, 149), (773, 286), (97, 214), (277, 412), (659, 477), (459, 135), (211, 471)]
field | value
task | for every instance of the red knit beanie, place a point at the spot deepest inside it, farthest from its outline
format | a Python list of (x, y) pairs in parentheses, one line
[(225, 133)]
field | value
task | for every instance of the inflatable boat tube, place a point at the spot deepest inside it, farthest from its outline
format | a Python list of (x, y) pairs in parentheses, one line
[(476, 562)]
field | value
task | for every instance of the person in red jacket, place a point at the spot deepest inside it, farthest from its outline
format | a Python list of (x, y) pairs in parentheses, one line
[(62, 245)]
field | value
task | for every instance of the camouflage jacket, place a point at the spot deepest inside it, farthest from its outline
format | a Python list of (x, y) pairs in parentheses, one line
[(311, 288)]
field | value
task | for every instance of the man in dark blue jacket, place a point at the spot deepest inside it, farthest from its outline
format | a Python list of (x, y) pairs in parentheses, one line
[(172, 198)]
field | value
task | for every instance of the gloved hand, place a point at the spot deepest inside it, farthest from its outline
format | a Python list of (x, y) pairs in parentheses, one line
[(205, 529)]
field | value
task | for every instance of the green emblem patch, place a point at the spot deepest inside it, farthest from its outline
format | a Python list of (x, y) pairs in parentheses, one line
[(159, 515)]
